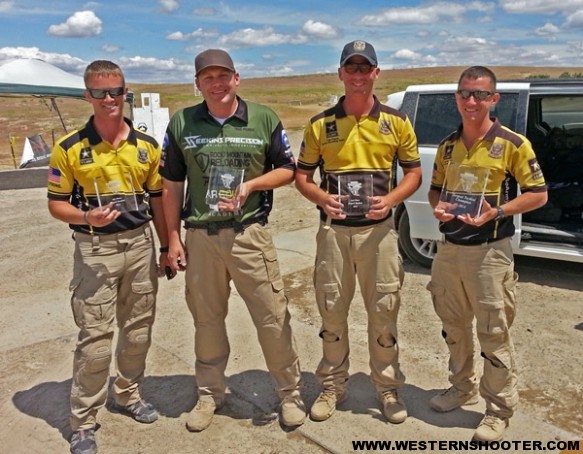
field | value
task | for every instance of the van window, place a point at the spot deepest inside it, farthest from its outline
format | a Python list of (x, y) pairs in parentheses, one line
[(562, 111), (437, 116)]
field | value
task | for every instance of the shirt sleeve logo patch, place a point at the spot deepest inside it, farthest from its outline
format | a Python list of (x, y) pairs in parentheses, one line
[(535, 169), (54, 177)]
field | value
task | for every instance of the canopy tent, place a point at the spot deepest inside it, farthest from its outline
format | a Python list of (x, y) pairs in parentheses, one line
[(30, 77), (33, 77)]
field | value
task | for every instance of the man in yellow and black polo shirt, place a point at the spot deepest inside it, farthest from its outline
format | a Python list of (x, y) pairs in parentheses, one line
[(473, 272), (357, 145), (104, 182)]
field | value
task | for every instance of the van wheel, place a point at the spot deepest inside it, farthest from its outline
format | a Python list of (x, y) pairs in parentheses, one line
[(419, 250)]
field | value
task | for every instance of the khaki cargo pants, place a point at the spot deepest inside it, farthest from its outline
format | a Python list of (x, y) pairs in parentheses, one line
[(478, 282), (370, 254), (249, 259), (114, 277)]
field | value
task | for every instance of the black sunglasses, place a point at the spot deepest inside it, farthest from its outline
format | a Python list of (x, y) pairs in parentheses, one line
[(480, 95), (352, 68), (100, 93)]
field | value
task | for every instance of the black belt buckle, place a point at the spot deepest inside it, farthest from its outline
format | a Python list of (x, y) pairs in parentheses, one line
[(212, 228)]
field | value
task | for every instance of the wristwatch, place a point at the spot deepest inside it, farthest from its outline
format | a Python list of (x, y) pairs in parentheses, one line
[(500, 214)]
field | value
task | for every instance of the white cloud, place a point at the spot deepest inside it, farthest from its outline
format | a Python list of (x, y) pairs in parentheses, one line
[(79, 25), (65, 61), (154, 70), (575, 20), (205, 11), (540, 6), (413, 58), (320, 30), (198, 33), (110, 48), (429, 14), (169, 6), (547, 29), (6, 7), (407, 54), (250, 37)]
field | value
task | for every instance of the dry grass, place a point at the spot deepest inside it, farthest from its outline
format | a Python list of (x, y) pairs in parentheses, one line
[(295, 99)]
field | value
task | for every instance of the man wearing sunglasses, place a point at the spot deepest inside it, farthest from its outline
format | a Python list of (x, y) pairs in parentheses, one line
[(357, 145), (104, 182), (473, 272)]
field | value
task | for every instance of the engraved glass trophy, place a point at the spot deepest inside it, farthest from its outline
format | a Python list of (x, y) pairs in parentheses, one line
[(354, 191), (223, 183), (115, 187), (463, 189)]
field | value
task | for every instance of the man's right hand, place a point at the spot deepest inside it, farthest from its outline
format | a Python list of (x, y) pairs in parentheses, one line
[(441, 211), (102, 216)]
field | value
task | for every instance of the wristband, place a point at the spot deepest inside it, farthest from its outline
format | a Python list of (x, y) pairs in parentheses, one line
[(500, 214), (163, 249), (86, 218)]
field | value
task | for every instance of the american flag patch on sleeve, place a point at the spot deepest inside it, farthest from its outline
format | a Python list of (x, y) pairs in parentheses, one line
[(54, 175)]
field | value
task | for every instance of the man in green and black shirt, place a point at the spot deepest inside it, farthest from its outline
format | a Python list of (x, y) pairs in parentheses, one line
[(233, 154)]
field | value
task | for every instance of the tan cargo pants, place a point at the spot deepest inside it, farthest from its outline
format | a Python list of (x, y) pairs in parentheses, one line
[(249, 259), (370, 254), (114, 277), (478, 282)]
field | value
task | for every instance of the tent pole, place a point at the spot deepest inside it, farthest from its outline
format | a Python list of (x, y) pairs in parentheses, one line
[(54, 103), (11, 139)]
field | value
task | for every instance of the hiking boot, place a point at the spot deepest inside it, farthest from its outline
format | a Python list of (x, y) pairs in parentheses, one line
[(453, 398), (140, 411), (83, 442), (293, 411), (325, 404), (202, 414), (491, 428), (393, 407)]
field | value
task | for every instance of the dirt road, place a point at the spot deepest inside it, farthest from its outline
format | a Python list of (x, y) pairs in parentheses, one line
[(37, 336)]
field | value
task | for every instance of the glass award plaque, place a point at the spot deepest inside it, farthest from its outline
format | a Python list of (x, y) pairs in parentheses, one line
[(354, 191), (223, 183), (115, 187), (463, 189)]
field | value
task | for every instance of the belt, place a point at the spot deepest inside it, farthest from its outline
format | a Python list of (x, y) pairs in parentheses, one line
[(213, 228), (480, 243)]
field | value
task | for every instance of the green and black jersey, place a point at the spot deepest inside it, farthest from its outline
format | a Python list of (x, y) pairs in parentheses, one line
[(88, 172), (252, 142), (510, 161)]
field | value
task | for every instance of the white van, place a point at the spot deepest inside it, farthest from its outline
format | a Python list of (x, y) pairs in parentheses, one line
[(549, 112)]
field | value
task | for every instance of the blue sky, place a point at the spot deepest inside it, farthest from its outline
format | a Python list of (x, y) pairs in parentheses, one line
[(155, 41)]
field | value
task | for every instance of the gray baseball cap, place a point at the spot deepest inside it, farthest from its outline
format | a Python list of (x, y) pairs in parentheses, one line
[(361, 48), (213, 57)]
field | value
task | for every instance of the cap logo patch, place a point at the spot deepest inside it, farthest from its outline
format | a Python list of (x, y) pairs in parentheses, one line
[(359, 46)]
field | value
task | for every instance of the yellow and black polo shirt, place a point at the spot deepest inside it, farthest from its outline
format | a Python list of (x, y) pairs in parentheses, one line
[(88, 172), (338, 144), (510, 161)]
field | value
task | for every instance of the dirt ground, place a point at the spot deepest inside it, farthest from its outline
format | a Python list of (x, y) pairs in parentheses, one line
[(36, 267)]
